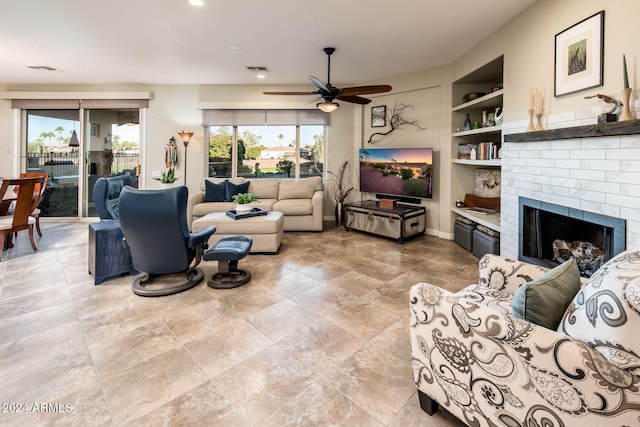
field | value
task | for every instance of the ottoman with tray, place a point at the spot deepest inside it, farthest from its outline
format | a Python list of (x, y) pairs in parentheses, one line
[(265, 230)]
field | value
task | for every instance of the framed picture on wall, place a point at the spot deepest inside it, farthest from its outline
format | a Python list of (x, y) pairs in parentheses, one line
[(379, 116), (579, 56)]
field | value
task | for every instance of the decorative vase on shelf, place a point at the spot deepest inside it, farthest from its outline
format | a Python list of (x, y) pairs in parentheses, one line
[(625, 114), (467, 123)]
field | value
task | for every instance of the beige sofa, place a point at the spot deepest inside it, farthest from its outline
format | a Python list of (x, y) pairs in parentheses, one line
[(300, 200)]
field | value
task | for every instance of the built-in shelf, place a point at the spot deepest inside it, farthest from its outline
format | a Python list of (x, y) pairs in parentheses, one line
[(492, 162), (480, 131), (494, 99), (492, 221), (629, 127)]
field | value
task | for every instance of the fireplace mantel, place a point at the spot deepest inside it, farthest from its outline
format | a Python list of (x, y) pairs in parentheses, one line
[(629, 127)]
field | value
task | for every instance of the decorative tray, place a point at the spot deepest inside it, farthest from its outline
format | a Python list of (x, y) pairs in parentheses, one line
[(253, 212)]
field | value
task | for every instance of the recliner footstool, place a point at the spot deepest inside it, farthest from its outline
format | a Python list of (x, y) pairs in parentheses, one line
[(228, 251)]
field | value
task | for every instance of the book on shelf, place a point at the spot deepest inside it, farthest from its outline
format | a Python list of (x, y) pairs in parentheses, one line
[(481, 211), (479, 151)]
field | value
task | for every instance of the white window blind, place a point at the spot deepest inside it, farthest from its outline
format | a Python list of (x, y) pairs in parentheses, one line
[(72, 104), (264, 117)]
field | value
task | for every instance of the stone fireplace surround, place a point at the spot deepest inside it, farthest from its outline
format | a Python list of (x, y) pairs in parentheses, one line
[(548, 222), (578, 164)]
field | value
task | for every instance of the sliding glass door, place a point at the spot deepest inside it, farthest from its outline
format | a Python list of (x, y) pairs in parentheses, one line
[(75, 153), (53, 144), (111, 147)]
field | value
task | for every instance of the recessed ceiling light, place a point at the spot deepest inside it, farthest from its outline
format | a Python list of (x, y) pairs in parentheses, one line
[(234, 47), (261, 76), (196, 2)]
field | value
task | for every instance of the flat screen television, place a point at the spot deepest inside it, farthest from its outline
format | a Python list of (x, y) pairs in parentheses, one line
[(398, 172)]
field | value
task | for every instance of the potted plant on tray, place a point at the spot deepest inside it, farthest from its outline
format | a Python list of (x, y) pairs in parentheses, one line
[(243, 202), (168, 178)]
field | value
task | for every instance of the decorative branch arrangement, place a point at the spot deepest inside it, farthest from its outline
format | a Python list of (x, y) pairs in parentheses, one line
[(396, 119), (336, 184)]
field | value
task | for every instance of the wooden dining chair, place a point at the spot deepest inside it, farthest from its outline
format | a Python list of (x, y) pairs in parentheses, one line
[(26, 192), (36, 210)]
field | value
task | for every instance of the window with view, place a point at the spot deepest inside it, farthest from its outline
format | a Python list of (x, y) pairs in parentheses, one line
[(266, 151), (265, 143)]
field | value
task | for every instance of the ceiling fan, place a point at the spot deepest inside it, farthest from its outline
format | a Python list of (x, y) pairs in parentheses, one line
[(328, 92)]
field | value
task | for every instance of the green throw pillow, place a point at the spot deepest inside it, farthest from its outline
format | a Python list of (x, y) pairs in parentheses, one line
[(543, 301)]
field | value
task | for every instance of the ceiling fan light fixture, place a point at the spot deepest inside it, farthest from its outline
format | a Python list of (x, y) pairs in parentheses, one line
[(129, 118), (328, 107)]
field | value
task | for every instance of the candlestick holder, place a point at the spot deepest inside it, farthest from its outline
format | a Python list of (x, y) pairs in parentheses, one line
[(625, 114), (539, 125), (531, 128)]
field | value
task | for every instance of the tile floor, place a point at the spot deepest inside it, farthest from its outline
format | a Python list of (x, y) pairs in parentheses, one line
[(319, 337)]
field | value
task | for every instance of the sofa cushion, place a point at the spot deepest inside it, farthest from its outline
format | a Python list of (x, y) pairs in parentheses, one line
[(543, 301), (201, 209), (606, 311), (294, 207), (266, 204), (264, 188), (215, 192), (299, 188), (233, 189)]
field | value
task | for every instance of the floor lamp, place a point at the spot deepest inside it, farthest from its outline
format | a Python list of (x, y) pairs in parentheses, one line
[(186, 136)]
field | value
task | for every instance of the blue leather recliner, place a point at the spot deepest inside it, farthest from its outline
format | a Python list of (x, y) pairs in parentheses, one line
[(106, 195), (154, 225)]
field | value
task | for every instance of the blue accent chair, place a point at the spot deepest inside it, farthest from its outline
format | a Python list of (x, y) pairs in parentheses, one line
[(154, 225), (106, 194)]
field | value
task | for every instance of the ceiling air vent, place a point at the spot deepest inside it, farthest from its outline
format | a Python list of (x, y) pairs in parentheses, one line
[(258, 69), (42, 68)]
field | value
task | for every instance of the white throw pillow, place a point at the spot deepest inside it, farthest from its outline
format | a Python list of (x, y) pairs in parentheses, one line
[(605, 313)]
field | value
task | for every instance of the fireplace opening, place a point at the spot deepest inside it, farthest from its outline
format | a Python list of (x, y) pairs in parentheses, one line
[(551, 234)]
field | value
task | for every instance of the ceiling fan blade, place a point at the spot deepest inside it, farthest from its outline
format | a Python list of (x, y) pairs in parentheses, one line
[(362, 90), (290, 93), (318, 84), (354, 99)]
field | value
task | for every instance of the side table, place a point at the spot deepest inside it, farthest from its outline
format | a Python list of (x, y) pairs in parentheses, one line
[(107, 255)]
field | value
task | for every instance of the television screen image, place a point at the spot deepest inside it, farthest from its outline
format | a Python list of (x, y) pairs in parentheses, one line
[(403, 172)]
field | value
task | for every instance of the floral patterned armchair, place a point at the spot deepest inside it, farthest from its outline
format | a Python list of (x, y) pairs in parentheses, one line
[(489, 368)]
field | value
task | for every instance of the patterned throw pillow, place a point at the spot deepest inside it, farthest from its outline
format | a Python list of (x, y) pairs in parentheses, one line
[(233, 189), (215, 192), (543, 301), (606, 311)]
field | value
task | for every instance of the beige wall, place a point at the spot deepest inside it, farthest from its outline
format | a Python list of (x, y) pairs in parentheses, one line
[(428, 92), (527, 43)]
